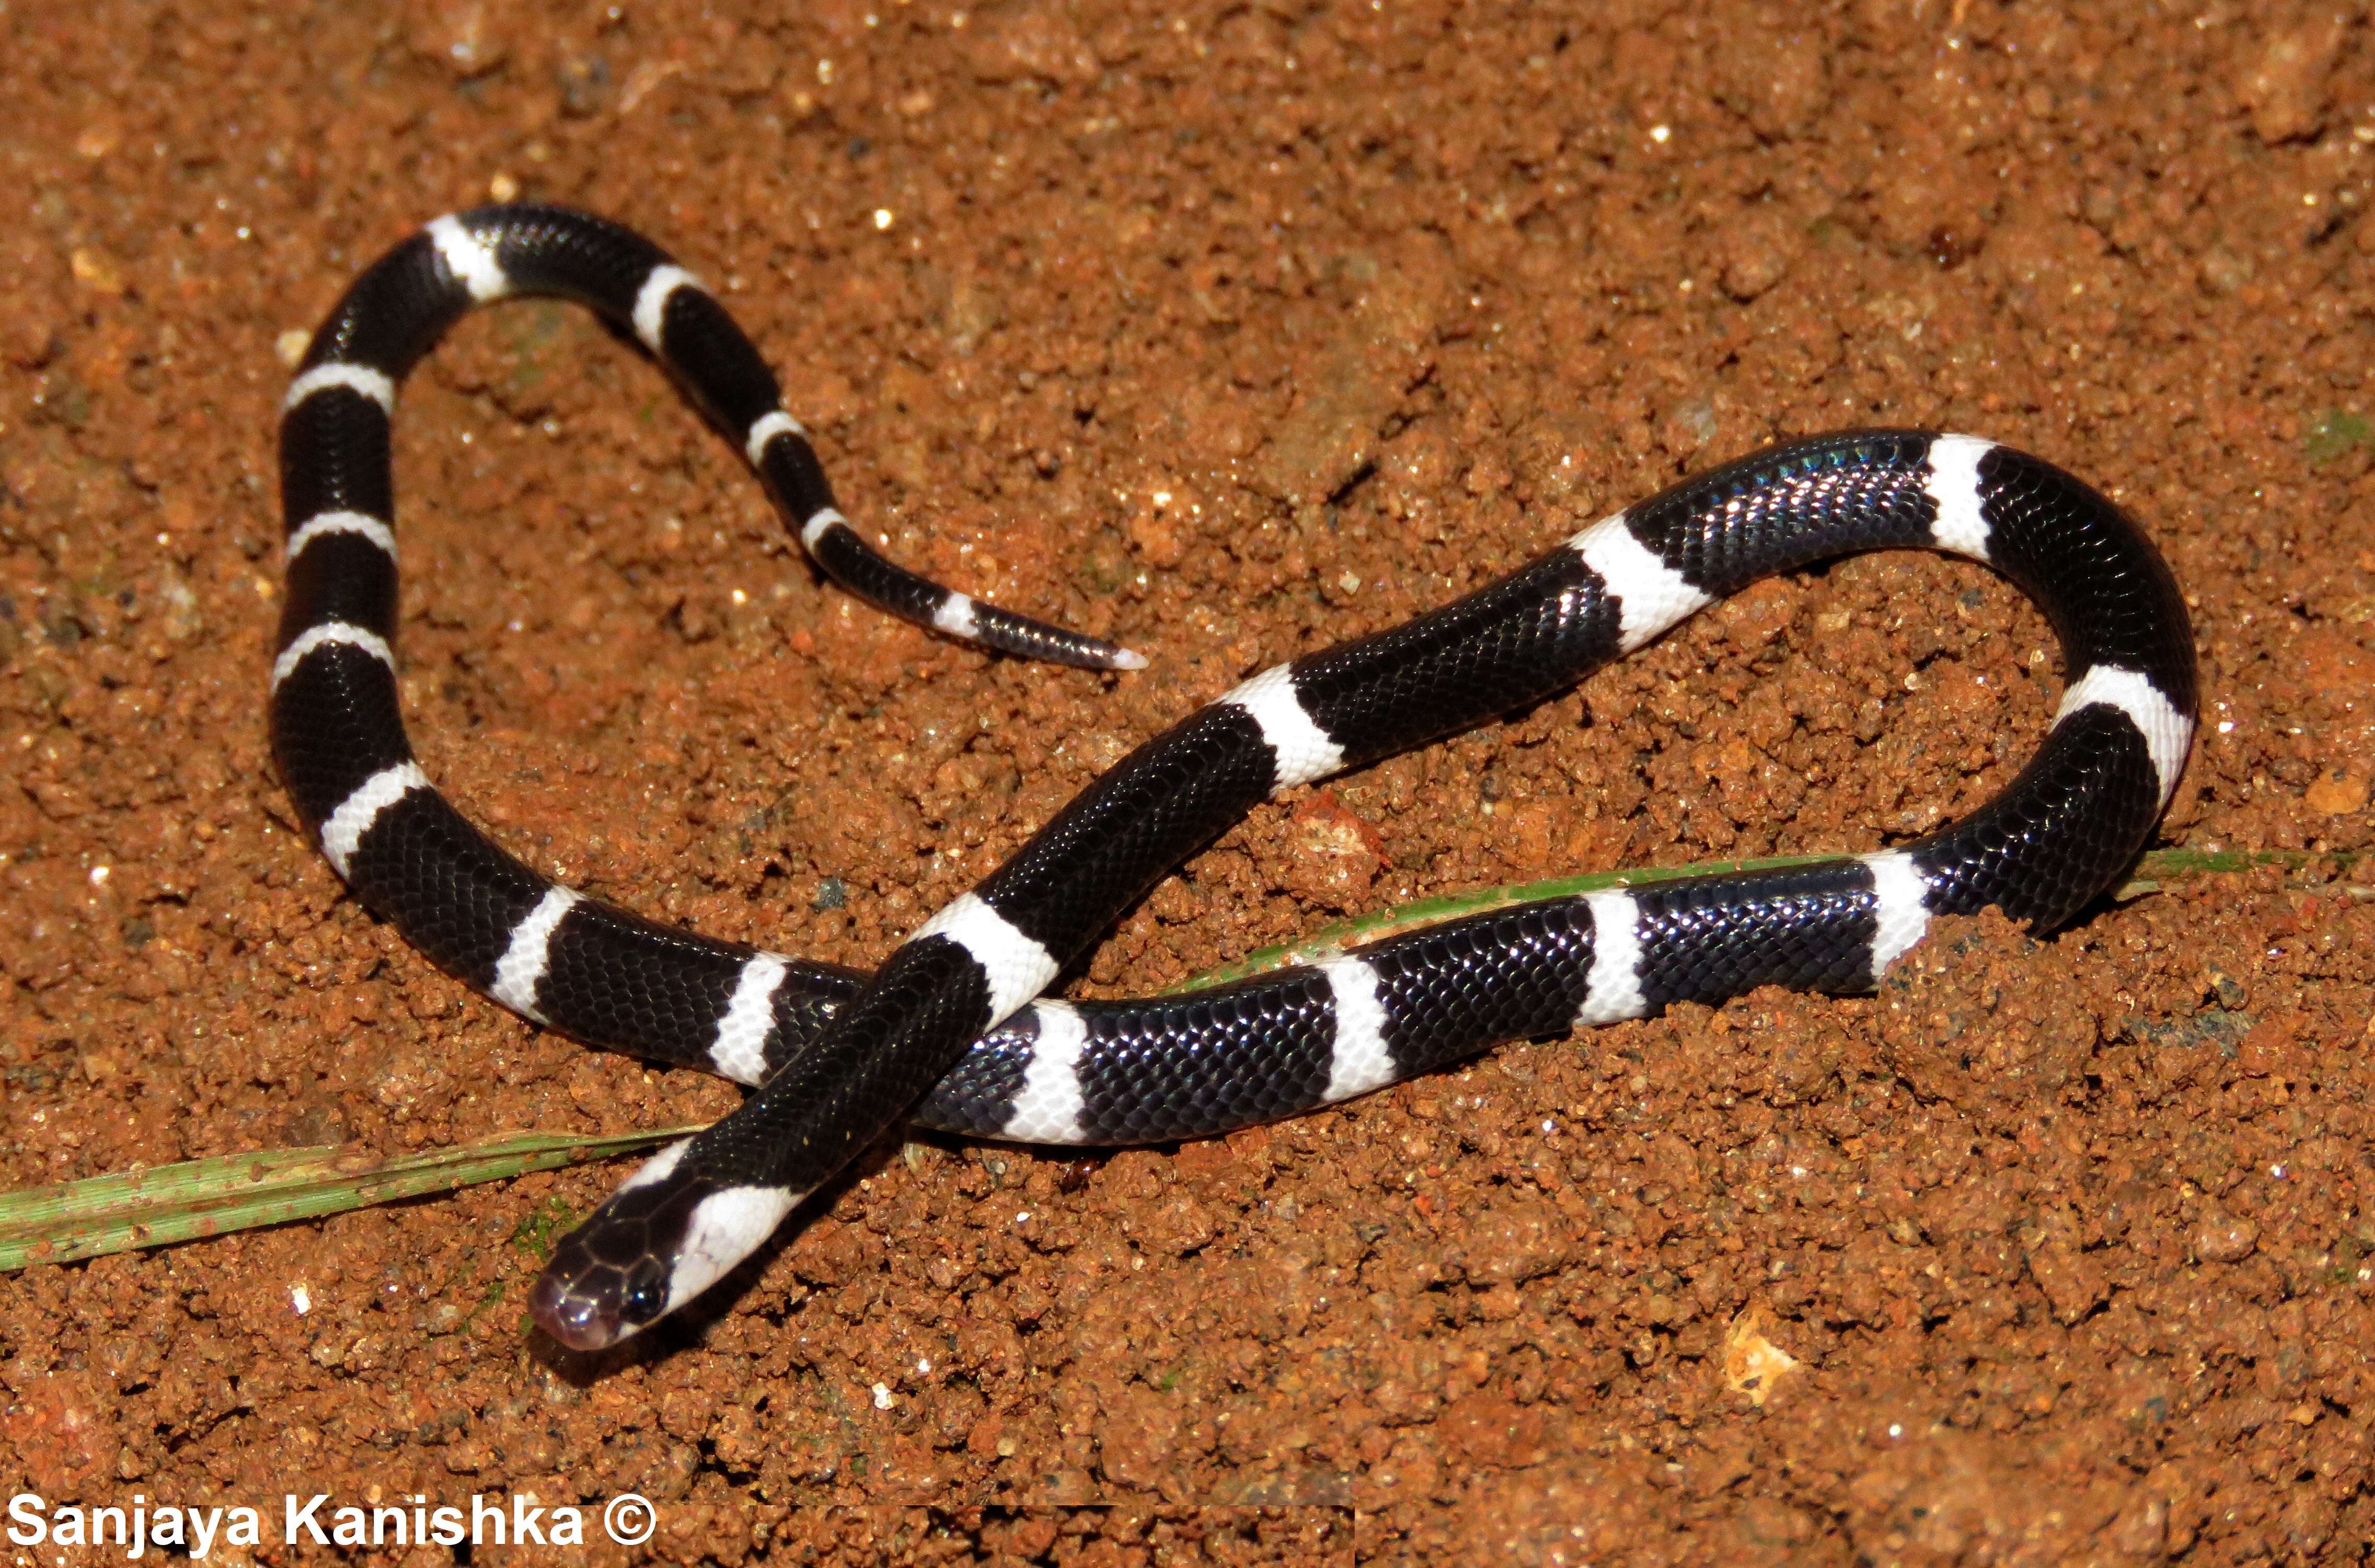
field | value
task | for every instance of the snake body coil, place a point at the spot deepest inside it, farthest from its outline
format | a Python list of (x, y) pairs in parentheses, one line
[(949, 1031)]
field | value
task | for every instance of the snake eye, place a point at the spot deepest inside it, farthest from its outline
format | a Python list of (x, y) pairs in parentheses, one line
[(647, 1293)]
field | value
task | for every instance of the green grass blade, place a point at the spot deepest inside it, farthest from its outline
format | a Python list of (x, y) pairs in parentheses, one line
[(1329, 942), (197, 1198)]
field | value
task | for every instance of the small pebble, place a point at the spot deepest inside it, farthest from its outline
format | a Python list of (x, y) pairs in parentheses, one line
[(2223, 1238)]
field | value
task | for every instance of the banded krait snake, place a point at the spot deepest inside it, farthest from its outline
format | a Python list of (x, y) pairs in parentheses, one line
[(948, 1032)]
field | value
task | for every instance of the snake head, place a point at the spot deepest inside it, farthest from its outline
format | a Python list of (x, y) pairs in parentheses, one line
[(662, 1239)]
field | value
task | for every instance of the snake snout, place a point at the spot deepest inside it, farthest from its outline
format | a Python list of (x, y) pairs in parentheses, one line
[(586, 1310), (580, 1318)]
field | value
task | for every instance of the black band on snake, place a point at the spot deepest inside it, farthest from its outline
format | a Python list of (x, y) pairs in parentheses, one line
[(949, 1032)]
